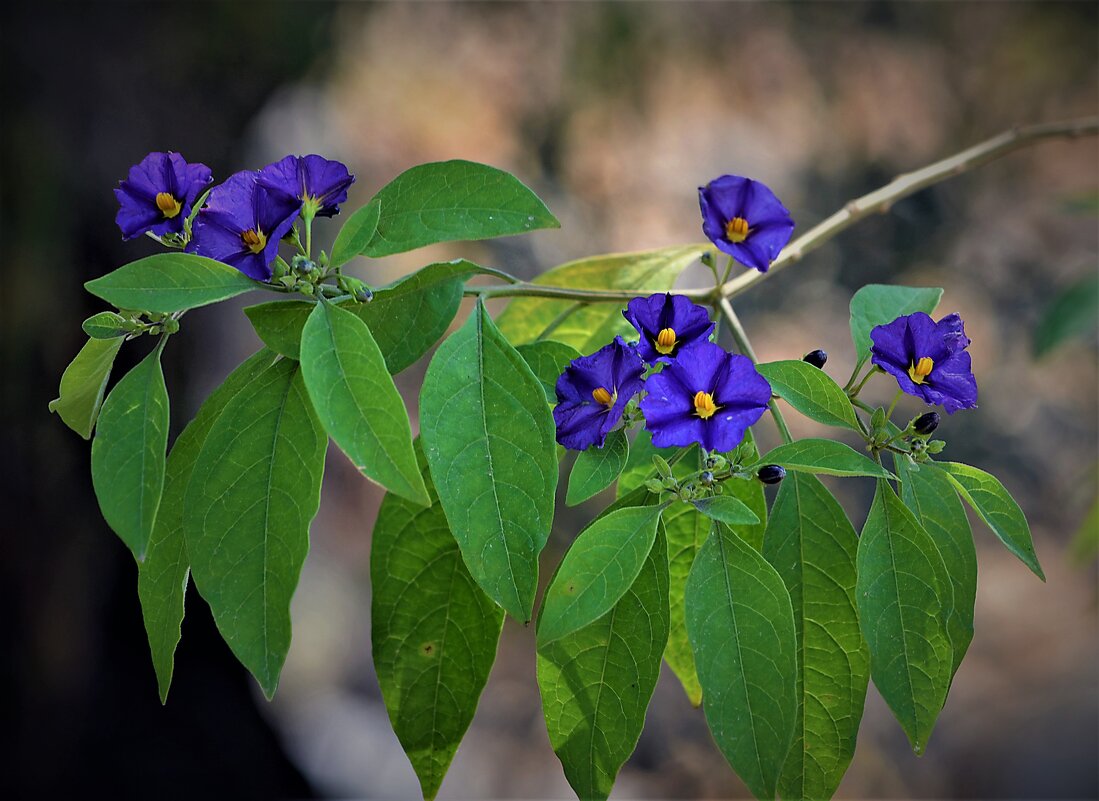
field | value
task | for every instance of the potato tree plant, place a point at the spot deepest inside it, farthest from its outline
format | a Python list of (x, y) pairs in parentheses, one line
[(773, 619)]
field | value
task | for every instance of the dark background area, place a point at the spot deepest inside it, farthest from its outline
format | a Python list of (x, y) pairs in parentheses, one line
[(614, 113)]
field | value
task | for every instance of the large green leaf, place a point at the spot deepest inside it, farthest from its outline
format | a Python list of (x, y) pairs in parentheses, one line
[(548, 360), (686, 529), (128, 452), (434, 632), (357, 402), (811, 391), (254, 489), (170, 282), (596, 468), (597, 681), (454, 201), (726, 509), (599, 567), (162, 577), (1073, 311), (878, 304), (995, 506), (489, 438), (905, 600), (931, 497), (741, 627), (824, 456), (593, 326), (355, 234), (812, 546), (83, 384)]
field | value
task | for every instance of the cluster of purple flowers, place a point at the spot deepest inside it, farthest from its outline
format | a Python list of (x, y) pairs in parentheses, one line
[(243, 219)]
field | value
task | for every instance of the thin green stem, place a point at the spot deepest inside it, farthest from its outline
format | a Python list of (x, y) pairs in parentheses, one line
[(745, 347), (893, 405), (560, 318), (854, 393)]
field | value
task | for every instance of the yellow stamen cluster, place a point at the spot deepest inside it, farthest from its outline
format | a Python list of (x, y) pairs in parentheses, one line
[(167, 204), (665, 341), (254, 239), (736, 230), (704, 405), (601, 395), (919, 371)]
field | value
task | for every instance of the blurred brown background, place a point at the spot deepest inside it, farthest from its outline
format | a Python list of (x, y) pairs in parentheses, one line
[(614, 113)]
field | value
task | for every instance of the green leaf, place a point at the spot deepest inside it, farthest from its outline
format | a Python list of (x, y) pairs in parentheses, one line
[(357, 401), (83, 384), (686, 530), (279, 323), (596, 324), (599, 567), (811, 391), (878, 304), (548, 360), (596, 468), (995, 506), (597, 681), (1073, 311), (162, 577), (823, 456), (107, 325), (725, 509), (434, 632), (355, 234), (451, 201), (489, 439), (170, 282), (128, 452), (254, 489), (741, 627), (812, 546), (750, 493), (904, 600), (931, 497)]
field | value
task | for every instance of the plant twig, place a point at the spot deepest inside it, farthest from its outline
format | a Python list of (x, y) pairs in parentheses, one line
[(745, 347)]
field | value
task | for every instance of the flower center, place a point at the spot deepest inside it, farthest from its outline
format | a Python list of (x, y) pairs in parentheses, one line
[(736, 230), (665, 341), (167, 204), (602, 396), (254, 239), (919, 371), (704, 405)]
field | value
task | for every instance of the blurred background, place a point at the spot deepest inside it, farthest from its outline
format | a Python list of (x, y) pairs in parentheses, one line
[(614, 113)]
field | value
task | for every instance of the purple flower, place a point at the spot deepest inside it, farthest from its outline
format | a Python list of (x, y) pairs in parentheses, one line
[(242, 224), (593, 392), (321, 185), (706, 395), (745, 219), (667, 324), (928, 359), (158, 193)]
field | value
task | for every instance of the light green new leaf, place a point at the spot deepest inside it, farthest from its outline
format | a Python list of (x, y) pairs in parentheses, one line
[(434, 633), (741, 627), (128, 452), (686, 529), (357, 401), (599, 567), (489, 438), (750, 493), (726, 509), (170, 282), (548, 360), (593, 326), (254, 489), (596, 468), (355, 234), (878, 304), (811, 544), (825, 457), (995, 506), (905, 601), (83, 384), (107, 325), (162, 577), (451, 201), (811, 391), (596, 682)]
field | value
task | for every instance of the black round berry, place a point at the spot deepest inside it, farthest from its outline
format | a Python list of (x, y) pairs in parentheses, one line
[(926, 423), (771, 473), (817, 358)]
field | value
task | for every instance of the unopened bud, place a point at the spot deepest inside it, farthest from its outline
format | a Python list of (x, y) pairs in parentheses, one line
[(708, 258), (817, 358), (364, 295), (654, 485), (707, 478), (926, 423), (771, 473), (303, 265)]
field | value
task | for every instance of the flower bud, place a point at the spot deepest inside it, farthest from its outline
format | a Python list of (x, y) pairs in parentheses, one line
[(303, 265), (817, 358), (654, 485), (926, 423), (707, 478), (771, 473)]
